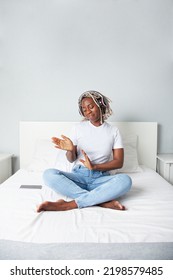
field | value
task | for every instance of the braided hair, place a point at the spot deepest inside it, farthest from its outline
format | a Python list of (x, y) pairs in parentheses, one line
[(100, 100)]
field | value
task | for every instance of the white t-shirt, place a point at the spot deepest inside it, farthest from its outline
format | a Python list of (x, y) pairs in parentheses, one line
[(96, 141)]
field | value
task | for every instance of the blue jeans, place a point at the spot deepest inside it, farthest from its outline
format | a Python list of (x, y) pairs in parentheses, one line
[(87, 187)]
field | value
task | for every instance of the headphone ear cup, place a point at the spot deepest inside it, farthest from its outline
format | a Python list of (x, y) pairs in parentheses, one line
[(101, 103)]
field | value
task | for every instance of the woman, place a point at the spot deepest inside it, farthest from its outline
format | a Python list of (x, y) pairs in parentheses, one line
[(91, 144)]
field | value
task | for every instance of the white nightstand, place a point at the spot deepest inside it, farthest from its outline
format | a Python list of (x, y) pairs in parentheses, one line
[(5, 166), (165, 166)]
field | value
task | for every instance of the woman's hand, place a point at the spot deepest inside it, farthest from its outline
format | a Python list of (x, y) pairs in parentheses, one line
[(87, 163), (63, 144)]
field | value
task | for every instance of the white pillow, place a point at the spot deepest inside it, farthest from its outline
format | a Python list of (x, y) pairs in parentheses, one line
[(44, 155), (61, 162), (47, 156), (131, 163)]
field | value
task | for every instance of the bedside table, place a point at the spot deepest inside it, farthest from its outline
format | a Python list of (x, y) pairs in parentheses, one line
[(5, 166), (165, 166)]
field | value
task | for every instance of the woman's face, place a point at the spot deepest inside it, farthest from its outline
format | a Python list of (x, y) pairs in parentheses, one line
[(91, 110)]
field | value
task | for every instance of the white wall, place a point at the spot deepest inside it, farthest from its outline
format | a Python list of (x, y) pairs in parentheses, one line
[(53, 50)]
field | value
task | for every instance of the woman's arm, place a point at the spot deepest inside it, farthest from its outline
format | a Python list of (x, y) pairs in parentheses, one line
[(72, 155), (115, 163)]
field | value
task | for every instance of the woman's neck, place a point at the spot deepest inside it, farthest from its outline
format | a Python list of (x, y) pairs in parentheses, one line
[(97, 123)]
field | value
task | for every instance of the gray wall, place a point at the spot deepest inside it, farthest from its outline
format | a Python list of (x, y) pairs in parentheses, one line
[(53, 50)]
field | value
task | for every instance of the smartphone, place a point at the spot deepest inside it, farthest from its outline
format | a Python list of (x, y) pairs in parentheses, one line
[(30, 187)]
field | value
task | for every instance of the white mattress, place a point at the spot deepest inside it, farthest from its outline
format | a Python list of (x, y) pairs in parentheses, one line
[(148, 218)]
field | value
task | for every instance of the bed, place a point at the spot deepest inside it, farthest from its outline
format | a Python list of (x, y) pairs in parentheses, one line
[(143, 231)]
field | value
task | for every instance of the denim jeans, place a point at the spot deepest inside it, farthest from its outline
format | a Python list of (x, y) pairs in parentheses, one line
[(87, 187)]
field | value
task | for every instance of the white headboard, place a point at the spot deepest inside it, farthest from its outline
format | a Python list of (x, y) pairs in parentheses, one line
[(30, 132)]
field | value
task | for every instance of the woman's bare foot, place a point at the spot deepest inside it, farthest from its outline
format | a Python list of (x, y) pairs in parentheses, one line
[(59, 205), (113, 204)]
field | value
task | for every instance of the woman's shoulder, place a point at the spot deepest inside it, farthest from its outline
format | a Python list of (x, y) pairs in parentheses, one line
[(111, 127)]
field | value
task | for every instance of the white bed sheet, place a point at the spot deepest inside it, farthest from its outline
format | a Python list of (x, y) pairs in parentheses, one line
[(148, 218)]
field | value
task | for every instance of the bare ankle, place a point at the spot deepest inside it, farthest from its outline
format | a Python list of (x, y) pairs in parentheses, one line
[(113, 204), (70, 205)]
